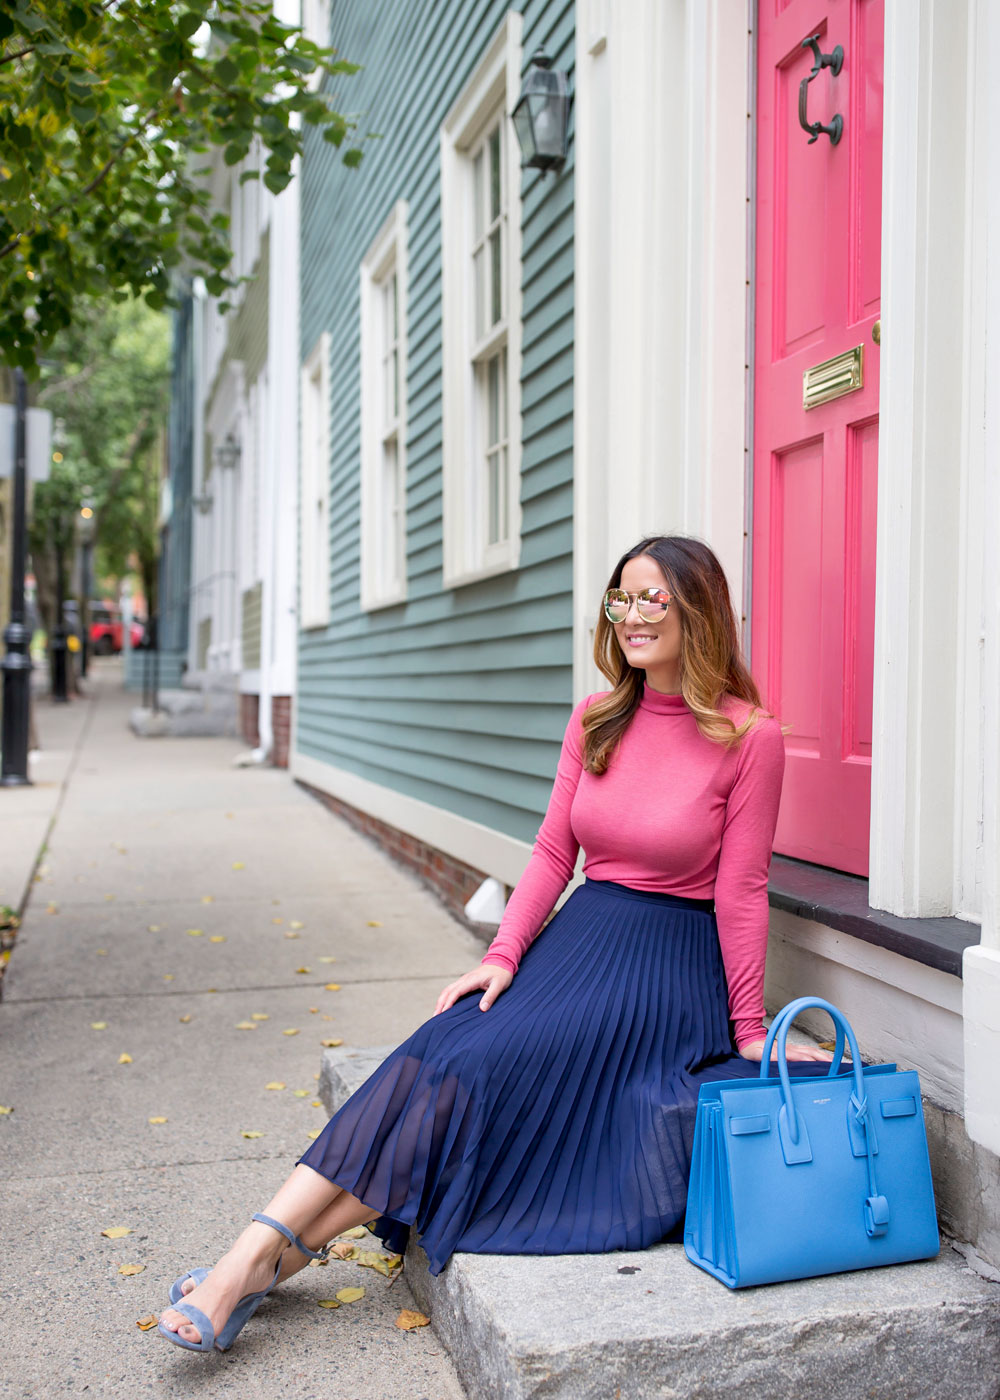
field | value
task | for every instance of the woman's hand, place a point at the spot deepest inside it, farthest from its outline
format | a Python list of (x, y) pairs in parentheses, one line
[(754, 1050), (492, 976)]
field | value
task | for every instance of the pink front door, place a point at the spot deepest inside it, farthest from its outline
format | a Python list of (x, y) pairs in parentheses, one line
[(818, 243)]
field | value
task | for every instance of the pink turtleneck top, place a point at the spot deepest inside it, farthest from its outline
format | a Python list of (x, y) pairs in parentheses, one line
[(674, 812)]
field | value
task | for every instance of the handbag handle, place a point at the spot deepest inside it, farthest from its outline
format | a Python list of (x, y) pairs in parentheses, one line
[(779, 1031), (839, 1043)]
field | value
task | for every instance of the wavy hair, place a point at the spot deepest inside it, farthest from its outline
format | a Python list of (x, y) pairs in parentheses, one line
[(712, 667)]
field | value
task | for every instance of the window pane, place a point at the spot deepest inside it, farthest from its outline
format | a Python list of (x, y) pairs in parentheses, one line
[(478, 195), (479, 264), (395, 309), (504, 495), (386, 534), (496, 305), (493, 402), (495, 174)]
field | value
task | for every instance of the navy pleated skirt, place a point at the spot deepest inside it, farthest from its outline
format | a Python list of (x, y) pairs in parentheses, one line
[(560, 1120)]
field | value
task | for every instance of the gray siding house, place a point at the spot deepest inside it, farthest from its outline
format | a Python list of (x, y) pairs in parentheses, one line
[(436, 634)]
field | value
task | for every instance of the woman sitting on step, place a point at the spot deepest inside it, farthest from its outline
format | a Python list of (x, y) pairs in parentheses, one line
[(547, 1107)]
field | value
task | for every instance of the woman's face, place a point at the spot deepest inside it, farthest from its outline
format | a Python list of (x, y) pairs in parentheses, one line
[(655, 646)]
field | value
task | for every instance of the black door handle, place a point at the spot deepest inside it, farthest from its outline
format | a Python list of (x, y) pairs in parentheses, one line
[(834, 62)]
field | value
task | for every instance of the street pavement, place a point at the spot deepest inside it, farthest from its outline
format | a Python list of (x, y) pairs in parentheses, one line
[(148, 840)]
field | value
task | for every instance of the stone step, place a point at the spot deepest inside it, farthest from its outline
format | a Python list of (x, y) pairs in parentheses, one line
[(639, 1324)]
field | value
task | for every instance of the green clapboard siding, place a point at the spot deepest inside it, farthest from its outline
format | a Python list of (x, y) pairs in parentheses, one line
[(460, 696)]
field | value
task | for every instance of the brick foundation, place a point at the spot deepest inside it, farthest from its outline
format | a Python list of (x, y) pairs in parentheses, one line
[(451, 880), (281, 728), (250, 719)]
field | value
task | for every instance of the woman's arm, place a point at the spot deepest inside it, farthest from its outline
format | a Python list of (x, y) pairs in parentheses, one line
[(741, 904), (552, 860)]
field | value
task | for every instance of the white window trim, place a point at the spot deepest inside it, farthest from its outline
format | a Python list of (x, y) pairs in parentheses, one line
[(497, 78), (387, 253), (314, 603)]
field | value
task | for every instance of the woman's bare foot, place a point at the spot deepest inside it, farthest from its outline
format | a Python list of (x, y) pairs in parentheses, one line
[(246, 1268)]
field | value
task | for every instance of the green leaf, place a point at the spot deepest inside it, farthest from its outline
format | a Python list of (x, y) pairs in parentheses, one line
[(352, 157), (298, 63), (188, 24), (82, 115), (277, 180)]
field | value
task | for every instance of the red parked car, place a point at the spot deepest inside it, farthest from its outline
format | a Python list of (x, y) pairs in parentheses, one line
[(107, 630)]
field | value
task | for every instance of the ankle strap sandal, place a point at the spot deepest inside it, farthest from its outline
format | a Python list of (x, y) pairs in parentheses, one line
[(303, 1248)]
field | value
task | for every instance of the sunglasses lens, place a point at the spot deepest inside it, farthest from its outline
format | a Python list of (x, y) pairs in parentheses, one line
[(616, 605), (653, 604)]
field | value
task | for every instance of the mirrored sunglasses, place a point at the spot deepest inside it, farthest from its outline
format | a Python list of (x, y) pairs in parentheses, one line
[(651, 604)]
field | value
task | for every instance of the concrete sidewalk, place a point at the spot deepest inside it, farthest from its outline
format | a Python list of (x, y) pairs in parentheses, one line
[(147, 839)]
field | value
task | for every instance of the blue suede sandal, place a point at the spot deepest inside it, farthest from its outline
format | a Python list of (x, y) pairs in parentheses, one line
[(244, 1309)]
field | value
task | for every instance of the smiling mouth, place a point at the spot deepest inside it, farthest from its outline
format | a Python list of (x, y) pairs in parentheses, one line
[(639, 639)]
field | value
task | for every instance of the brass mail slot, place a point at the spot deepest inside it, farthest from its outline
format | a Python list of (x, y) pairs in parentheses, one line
[(841, 375)]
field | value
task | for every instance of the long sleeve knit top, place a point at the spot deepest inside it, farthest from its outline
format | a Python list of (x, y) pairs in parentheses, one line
[(674, 812)]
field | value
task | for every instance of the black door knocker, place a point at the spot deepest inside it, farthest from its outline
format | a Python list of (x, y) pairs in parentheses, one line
[(834, 62)]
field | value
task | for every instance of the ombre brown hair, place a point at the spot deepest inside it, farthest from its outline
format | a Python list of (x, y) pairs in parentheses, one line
[(712, 667)]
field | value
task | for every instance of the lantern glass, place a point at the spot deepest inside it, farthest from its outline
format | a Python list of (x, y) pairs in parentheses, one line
[(542, 114)]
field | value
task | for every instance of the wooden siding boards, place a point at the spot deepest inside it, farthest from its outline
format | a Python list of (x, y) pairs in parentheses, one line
[(458, 697)]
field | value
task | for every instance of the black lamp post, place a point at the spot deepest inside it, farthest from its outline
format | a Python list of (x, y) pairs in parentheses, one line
[(16, 664), (541, 115)]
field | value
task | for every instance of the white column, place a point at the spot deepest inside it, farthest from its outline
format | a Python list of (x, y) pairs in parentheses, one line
[(661, 257), (981, 972)]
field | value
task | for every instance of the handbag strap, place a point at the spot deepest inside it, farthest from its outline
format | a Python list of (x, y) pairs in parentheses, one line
[(839, 1042), (876, 1207)]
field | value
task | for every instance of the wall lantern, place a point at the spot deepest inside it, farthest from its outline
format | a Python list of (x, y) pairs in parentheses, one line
[(203, 504), (541, 115), (227, 454)]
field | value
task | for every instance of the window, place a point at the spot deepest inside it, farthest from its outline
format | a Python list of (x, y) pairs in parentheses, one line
[(383, 415), (315, 511), (481, 318)]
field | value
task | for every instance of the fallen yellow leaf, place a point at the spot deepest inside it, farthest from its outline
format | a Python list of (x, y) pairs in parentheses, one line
[(52, 909), (250, 1133), (102, 952), (157, 1120), (238, 865), (356, 1232), (195, 932), (314, 1135), (208, 899), (4, 1108), (184, 1019), (275, 1084), (277, 921), (303, 969), (246, 1025), (296, 923), (344, 1250), (98, 1025), (124, 1058), (332, 987), (150, 1320), (328, 960), (229, 815), (168, 977), (374, 923), (350, 1295), (329, 1044), (217, 938), (288, 934), (328, 1303), (301, 1093), (116, 1232), (291, 1032), (314, 1011), (409, 1318), (155, 928), (259, 1016), (109, 896), (316, 1103), (129, 1269), (211, 989)]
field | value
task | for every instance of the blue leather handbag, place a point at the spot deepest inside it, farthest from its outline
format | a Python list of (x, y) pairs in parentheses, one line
[(797, 1176)]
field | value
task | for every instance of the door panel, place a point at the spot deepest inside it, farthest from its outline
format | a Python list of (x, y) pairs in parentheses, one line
[(818, 256)]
